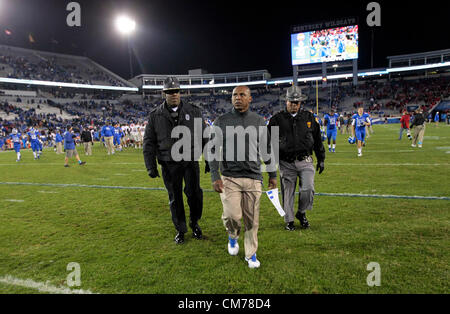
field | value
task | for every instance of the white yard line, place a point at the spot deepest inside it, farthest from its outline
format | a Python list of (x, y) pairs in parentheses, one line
[(40, 286), (209, 190)]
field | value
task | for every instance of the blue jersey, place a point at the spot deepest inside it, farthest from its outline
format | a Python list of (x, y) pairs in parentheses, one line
[(34, 135), (69, 142), (436, 118), (323, 52), (58, 138), (358, 121), (331, 121), (118, 132), (15, 138), (107, 131), (341, 46)]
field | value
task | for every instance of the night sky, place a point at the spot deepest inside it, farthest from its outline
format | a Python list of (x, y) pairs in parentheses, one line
[(218, 36)]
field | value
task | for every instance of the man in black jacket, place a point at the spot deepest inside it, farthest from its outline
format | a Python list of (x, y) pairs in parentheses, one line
[(86, 139), (299, 134), (419, 122), (158, 144)]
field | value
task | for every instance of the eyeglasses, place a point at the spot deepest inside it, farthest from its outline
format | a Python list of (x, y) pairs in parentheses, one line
[(172, 91)]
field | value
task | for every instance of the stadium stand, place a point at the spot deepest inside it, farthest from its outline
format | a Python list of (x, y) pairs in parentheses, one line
[(51, 106), (29, 64)]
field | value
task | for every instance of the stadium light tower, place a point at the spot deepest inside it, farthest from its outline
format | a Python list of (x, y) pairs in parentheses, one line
[(126, 26)]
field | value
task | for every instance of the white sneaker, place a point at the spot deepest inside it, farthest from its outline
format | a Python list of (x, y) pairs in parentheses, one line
[(359, 154), (233, 247), (412, 145), (253, 262), (420, 146)]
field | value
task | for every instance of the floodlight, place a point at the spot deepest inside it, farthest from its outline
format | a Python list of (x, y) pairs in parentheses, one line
[(125, 25)]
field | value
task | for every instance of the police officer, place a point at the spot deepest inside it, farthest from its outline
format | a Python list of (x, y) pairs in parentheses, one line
[(158, 145), (299, 134)]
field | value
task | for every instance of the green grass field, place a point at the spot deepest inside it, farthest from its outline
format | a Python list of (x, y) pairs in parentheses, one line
[(123, 239)]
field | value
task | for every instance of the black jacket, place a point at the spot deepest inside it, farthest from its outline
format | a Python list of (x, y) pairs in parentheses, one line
[(299, 135), (419, 119), (86, 136), (157, 138)]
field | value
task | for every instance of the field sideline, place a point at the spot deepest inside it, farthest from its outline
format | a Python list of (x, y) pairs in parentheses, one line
[(123, 238)]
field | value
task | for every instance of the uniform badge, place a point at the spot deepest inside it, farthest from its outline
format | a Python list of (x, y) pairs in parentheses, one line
[(187, 117), (308, 124)]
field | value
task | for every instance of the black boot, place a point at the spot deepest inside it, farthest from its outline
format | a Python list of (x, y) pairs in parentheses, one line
[(303, 221), (179, 238), (196, 231), (290, 226)]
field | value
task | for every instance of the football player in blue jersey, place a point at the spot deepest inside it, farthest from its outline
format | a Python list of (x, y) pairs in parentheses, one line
[(331, 121), (118, 134), (15, 137), (33, 135), (360, 121), (24, 141), (41, 141)]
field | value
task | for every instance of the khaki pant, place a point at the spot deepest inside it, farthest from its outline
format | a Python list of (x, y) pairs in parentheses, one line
[(240, 199), (109, 142), (59, 148), (419, 131), (88, 148)]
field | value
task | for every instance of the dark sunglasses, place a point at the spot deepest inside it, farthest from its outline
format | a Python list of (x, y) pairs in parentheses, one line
[(172, 91)]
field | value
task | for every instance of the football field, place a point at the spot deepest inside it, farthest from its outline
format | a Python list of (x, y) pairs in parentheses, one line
[(391, 206)]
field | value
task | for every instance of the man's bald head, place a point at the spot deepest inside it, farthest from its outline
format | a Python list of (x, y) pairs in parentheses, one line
[(241, 98)]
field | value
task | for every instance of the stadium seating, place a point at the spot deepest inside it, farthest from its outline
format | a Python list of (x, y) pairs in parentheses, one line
[(382, 97), (22, 63)]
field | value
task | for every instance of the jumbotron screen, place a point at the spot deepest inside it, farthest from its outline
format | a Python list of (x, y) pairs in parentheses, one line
[(326, 45)]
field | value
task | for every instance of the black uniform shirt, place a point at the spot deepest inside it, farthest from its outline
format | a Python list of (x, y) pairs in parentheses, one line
[(299, 135)]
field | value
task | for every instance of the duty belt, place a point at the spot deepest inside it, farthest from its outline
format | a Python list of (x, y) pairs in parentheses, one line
[(297, 157)]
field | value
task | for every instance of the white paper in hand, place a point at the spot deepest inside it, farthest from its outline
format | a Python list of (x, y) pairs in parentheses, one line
[(273, 197)]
